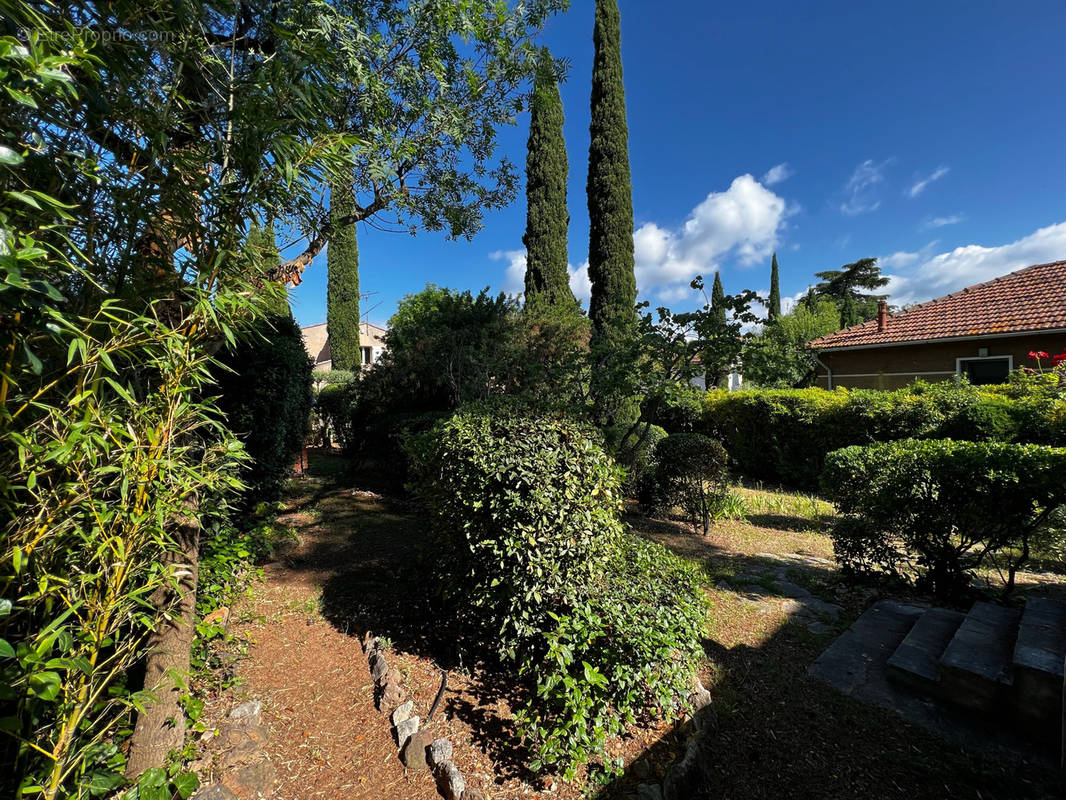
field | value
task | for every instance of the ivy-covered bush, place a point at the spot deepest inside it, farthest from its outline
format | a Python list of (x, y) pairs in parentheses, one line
[(531, 556), (935, 511), (692, 473), (264, 385), (782, 436)]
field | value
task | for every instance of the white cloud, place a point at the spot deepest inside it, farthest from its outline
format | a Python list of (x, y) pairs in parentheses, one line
[(920, 185), (902, 259), (580, 284), (940, 222), (777, 174), (860, 194), (514, 280), (743, 222), (917, 276)]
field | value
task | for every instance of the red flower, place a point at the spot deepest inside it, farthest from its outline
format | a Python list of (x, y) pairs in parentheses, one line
[(1059, 359), (1035, 354)]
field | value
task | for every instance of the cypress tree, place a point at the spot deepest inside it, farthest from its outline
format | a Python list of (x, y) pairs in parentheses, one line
[(773, 310), (547, 218), (262, 248), (718, 299), (342, 283), (610, 194), (849, 314)]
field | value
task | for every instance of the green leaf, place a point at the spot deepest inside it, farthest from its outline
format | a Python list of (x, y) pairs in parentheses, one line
[(8, 156), (153, 778), (185, 783), (6, 650), (35, 363), (46, 685), (25, 198)]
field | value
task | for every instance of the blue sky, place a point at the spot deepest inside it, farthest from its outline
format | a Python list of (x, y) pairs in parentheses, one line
[(928, 134)]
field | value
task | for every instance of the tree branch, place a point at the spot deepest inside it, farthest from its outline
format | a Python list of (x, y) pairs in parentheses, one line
[(290, 271)]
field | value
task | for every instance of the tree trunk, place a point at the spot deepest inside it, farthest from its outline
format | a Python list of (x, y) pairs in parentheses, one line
[(160, 726)]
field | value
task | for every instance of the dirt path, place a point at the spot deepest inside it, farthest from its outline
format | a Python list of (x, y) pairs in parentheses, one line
[(326, 738)]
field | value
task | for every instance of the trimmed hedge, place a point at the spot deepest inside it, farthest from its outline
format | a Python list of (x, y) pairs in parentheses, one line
[(783, 436), (937, 510), (530, 555)]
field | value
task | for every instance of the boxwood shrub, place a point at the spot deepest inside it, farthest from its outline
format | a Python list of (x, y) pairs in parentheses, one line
[(692, 473), (783, 436), (530, 555), (935, 511)]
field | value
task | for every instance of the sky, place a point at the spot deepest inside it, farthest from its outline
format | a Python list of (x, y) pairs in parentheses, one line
[(927, 134)]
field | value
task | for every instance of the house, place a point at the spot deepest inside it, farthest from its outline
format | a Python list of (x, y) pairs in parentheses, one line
[(316, 342), (982, 332)]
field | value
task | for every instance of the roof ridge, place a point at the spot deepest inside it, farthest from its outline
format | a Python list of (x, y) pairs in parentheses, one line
[(900, 317)]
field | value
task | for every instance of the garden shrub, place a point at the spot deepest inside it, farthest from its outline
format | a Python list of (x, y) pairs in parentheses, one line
[(333, 408), (265, 392), (783, 436), (530, 554), (939, 509), (629, 643), (638, 457), (989, 419), (692, 473)]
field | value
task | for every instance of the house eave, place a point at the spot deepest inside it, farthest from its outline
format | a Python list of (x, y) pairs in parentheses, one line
[(967, 338)]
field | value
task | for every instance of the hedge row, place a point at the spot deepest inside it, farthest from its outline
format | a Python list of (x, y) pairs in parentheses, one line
[(783, 436), (936, 511)]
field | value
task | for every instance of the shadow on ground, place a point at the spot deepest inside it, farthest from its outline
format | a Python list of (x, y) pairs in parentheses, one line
[(771, 730)]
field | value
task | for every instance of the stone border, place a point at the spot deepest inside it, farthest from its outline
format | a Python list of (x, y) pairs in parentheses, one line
[(240, 763), (416, 750)]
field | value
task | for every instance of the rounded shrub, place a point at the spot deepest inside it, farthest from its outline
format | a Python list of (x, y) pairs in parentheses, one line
[(531, 556), (524, 510), (692, 473)]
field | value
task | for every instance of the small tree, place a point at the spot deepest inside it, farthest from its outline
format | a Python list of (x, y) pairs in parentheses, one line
[(778, 356), (693, 475), (720, 329)]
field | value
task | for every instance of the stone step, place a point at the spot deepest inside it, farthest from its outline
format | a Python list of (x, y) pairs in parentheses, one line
[(975, 670), (1039, 654), (916, 662)]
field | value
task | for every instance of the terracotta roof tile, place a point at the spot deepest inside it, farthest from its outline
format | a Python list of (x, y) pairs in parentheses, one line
[(1031, 299)]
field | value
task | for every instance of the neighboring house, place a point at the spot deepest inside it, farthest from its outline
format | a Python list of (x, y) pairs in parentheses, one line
[(982, 332), (734, 380), (316, 341)]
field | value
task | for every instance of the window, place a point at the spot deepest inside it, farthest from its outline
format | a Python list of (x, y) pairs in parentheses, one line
[(365, 353), (982, 371)]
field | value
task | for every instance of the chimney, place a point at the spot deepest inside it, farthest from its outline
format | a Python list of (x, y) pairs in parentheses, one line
[(882, 315)]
